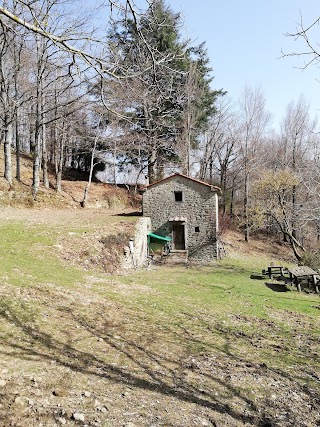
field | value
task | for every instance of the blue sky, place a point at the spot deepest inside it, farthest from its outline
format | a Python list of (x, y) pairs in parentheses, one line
[(244, 41)]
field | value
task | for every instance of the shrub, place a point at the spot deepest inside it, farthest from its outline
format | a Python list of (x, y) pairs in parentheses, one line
[(312, 259)]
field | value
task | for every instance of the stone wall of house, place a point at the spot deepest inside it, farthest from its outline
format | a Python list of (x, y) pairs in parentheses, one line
[(198, 207), (136, 252)]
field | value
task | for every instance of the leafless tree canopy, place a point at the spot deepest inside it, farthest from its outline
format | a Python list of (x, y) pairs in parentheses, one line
[(86, 94), (308, 36)]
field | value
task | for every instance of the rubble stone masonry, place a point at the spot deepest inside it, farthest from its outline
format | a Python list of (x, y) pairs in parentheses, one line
[(189, 202)]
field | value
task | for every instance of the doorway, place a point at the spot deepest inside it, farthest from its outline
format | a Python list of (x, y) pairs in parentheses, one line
[(178, 236)]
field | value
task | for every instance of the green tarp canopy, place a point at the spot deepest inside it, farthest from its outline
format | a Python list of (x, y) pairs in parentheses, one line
[(155, 236)]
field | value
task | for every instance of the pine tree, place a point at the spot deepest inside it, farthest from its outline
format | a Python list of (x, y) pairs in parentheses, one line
[(152, 93)]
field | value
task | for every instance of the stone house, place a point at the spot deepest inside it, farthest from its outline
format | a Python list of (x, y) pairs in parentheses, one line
[(184, 211)]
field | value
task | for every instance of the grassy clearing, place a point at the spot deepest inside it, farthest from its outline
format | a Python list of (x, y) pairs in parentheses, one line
[(163, 346), (223, 302), (28, 257)]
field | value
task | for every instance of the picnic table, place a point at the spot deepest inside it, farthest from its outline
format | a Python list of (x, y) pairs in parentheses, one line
[(305, 274), (274, 270)]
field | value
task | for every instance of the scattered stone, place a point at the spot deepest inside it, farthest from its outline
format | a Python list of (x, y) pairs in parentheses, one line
[(102, 409), (62, 421), (36, 380), (60, 392), (3, 383), (30, 402), (4, 371), (21, 401), (78, 416), (96, 403), (87, 394), (129, 425)]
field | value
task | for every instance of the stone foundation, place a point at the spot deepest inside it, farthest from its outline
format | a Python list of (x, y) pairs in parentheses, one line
[(136, 252)]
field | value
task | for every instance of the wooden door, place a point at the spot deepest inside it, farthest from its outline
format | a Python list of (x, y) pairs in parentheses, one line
[(178, 236)]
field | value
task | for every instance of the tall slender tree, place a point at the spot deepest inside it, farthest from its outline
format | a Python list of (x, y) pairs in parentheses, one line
[(255, 119), (164, 95)]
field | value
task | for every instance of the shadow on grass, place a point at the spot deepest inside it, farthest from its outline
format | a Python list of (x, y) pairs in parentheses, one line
[(135, 213), (152, 371), (277, 287)]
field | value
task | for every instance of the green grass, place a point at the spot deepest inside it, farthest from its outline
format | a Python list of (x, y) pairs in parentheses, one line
[(163, 328), (28, 257), (224, 288), (220, 307)]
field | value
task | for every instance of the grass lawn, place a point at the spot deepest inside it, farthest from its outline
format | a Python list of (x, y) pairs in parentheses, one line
[(164, 346)]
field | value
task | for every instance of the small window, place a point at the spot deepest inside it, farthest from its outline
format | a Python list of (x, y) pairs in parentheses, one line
[(197, 229), (178, 196)]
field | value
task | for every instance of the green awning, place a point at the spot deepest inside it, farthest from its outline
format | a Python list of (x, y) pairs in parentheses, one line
[(155, 236)]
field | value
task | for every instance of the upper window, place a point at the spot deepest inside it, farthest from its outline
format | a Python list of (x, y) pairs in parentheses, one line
[(178, 196)]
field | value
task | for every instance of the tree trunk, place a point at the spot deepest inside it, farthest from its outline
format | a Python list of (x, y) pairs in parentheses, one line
[(152, 166), (86, 190), (18, 167), (245, 208), (232, 199), (8, 138), (223, 185), (32, 131), (59, 165), (294, 212), (36, 164), (44, 157)]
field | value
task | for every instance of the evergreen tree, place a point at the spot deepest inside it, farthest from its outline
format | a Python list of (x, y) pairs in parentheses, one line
[(152, 93)]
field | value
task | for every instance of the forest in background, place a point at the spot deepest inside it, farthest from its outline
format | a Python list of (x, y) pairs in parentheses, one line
[(131, 95)]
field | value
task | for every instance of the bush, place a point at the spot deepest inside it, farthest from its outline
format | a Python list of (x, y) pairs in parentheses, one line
[(311, 259)]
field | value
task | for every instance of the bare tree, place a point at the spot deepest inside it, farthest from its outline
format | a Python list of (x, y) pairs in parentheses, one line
[(84, 47), (307, 34), (219, 148), (272, 193), (10, 67), (255, 119), (297, 134)]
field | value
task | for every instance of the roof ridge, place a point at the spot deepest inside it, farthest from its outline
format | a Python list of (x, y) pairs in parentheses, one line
[(187, 177)]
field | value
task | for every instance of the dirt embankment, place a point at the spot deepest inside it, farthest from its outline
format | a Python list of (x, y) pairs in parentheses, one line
[(101, 195)]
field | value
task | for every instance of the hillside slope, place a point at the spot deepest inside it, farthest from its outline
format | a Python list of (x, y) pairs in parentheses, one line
[(19, 194)]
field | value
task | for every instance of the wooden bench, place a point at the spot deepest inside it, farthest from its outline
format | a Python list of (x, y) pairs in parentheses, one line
[(274, 270), (302, 274)]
